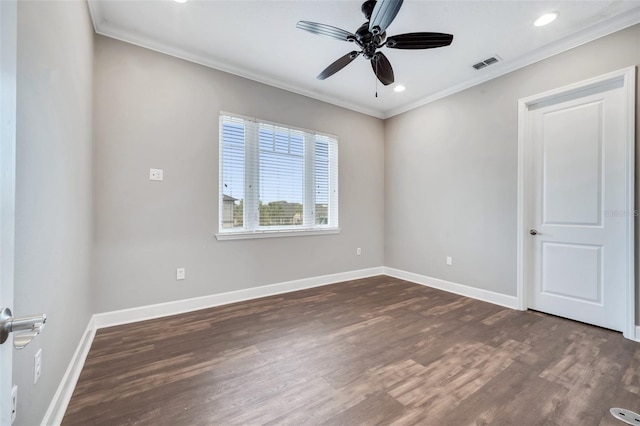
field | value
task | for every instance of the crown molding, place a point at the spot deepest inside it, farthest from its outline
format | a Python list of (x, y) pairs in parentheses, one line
[(606, 27), (105, 28)]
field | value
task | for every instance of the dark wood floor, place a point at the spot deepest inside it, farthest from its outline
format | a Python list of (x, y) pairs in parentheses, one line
[(372, 351)]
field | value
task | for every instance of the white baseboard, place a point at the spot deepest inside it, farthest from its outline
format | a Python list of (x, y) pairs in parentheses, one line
[(142, 313), (461, 289), (61, 398)]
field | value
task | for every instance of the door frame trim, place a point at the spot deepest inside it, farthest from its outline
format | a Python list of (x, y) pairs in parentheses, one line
[(628, 78), (8, 106)]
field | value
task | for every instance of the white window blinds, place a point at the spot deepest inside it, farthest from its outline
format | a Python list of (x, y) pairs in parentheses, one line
[(274, 178)]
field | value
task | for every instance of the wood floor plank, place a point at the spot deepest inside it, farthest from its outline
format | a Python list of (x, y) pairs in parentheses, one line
[(373, 351), (377, 409), (631, 379)]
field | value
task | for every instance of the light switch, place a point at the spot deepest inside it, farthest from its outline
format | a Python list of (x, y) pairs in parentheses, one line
[(37, 366), (180, 274), (156, 174)]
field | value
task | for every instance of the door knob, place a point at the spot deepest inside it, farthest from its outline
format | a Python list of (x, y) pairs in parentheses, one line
[(533, 232), (25, 328)]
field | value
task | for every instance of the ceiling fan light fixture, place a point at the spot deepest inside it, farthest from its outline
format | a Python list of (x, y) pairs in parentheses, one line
[(399, 88), (545, 19)]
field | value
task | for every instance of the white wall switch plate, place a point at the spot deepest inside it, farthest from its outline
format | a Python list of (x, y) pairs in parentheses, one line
[(156, 174), (358, 251), (449, 260), (37, 366), (180, 274), (14, 403)]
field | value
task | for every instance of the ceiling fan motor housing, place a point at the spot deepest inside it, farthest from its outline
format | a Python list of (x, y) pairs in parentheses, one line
[(368, 41)]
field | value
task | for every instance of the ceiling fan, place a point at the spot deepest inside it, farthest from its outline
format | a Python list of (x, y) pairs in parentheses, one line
[(372, 36)]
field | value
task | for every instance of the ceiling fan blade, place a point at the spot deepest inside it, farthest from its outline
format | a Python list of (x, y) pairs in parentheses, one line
[(325, 30), (419, 40), (382, 68), (383, 14), (338, 65)]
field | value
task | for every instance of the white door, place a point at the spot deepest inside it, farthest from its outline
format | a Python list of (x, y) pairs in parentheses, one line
[(577, 204), (8, 24)]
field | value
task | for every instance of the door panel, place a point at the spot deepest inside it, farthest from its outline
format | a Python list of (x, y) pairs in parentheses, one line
[(572, 271), (578, 173), (572, 150)]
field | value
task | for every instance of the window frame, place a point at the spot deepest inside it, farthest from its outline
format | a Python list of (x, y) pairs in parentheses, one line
[(251, 225)]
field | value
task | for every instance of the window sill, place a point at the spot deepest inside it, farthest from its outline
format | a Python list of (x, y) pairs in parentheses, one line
[(272, 234)]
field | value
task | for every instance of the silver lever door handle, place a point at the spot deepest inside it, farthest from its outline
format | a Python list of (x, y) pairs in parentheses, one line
[(533, 232), (34, 323), (26, 328)]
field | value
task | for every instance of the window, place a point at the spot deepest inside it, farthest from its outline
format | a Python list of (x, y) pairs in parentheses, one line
[(275, 180)]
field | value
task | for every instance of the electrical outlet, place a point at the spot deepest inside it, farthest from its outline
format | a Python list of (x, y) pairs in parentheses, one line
[(449, 260), (37, 366), (358, 251), (14, 403), (156, 174), (180, 274)]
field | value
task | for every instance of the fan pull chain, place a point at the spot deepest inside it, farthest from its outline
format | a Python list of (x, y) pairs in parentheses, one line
[(376, 59)]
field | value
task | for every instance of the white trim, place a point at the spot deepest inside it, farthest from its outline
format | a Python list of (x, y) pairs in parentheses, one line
[(60, 401), (628, 76), (274, 124), (522, 218), (251, 142), (451, 287), (222, 236), (106, 29), (8, 84), (61, 398), (143, 313), (630, 85), (602, 29), (606, 27)]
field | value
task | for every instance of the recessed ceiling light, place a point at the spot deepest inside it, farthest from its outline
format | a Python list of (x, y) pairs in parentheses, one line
[(545, 19), (399, 88), (180, 1)]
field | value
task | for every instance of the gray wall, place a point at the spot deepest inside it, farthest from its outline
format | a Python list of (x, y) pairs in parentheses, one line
[(54, 191), (155, 111), (451, 169)]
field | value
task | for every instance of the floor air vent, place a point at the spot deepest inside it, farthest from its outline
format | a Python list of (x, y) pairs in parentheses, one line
[(487, 62), (626, 416)]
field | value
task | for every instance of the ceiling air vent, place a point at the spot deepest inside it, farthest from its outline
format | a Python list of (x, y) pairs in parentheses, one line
[(487, 62)]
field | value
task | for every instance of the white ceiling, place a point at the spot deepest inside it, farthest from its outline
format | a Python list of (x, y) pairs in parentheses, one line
[(259, 40)]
